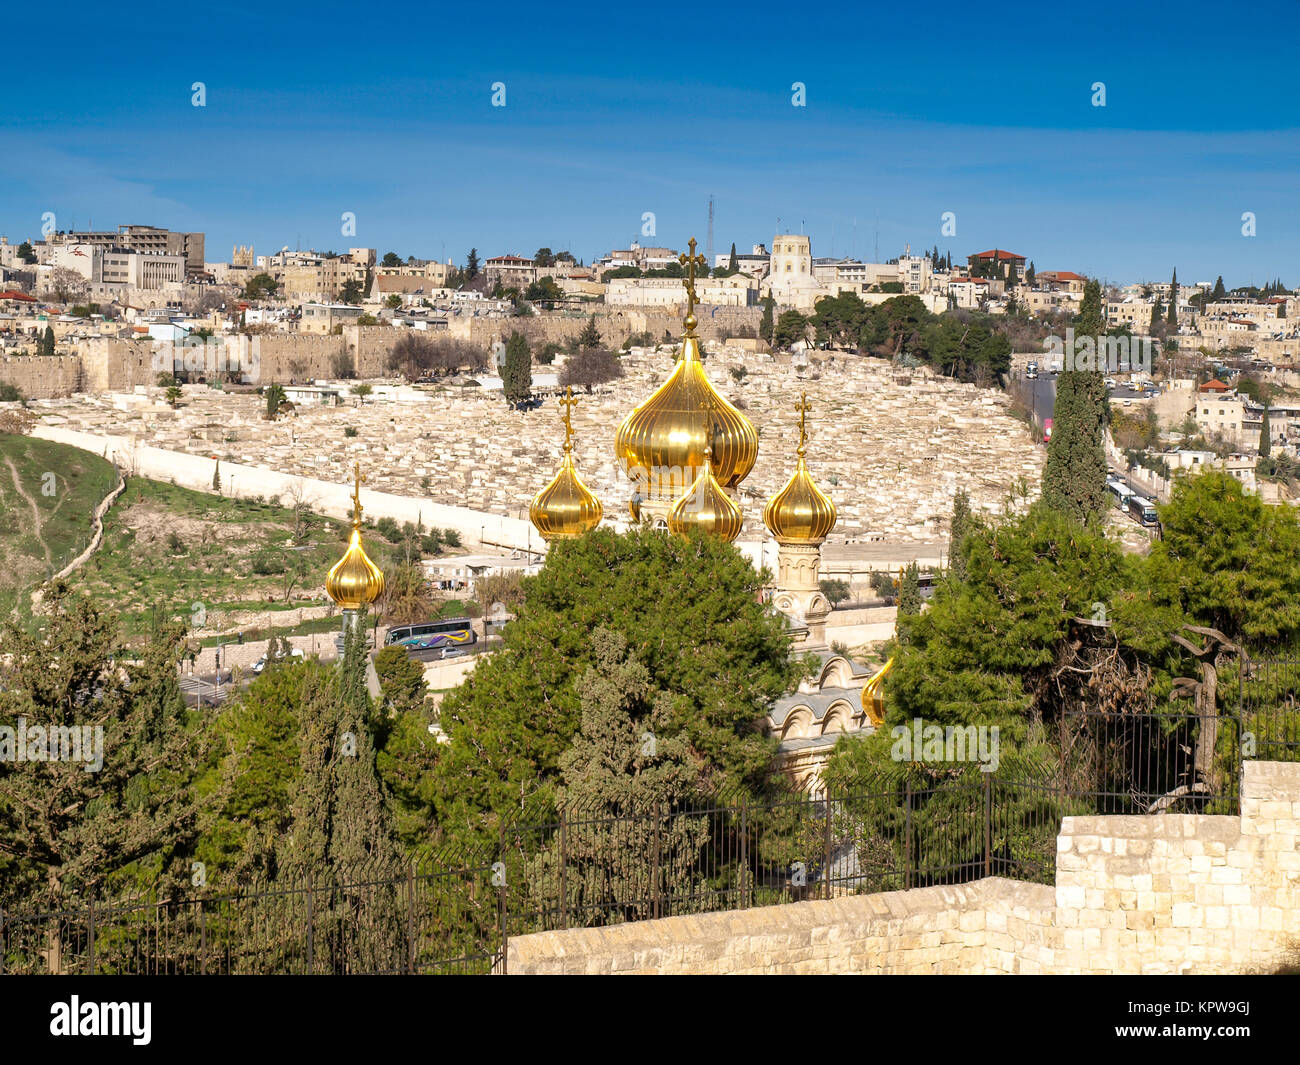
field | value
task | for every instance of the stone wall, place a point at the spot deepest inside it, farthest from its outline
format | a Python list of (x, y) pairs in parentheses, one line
[(615, 325), (41, 376), (1143, 894), (324, 497)]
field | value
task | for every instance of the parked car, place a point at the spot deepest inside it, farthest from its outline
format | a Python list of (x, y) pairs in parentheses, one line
[(260, 664)]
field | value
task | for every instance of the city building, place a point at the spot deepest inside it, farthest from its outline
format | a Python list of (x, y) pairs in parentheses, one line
[(147, 240)]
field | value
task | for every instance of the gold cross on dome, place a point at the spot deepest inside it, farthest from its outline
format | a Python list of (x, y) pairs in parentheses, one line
[(803, 408), (568, 403), (691, 262), (356, 495)]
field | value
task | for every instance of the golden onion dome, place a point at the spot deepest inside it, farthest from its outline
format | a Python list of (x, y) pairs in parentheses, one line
[(660, 446), (566, 507), (355, 581), (706, 507), (800, 513)]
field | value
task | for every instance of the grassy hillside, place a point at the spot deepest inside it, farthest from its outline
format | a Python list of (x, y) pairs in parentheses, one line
[(167, 549), (48, 495)]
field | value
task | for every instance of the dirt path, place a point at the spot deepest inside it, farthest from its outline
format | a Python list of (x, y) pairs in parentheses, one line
[(38, 524), (96, 539)]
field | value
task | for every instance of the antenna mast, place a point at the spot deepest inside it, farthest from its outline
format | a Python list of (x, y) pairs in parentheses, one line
[(709, 251)]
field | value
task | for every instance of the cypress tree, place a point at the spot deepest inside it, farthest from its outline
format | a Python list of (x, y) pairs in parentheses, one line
[(360, 829), (1074, 478), (517, 373), (1091, 319), (961, 522), (909, 591), (1265, 435), (590, 335), (1219, 290), (732, 265), (47, 341), (1173, 303), (767, 325)]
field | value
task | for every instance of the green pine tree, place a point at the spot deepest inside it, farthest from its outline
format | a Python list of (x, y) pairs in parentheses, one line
[(127, 805), (1219, 291)]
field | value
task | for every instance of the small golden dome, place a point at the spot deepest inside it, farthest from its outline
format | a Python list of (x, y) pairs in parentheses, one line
[(707, 507), (800, 513), (355, 581), (660, 445), (566, 507)]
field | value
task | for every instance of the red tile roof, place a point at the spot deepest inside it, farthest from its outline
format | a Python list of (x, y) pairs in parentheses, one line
[(18, 296), (998, 253), (1215, 385)]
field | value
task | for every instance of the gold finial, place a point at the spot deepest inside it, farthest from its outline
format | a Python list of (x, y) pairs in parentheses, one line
[(356, 496), (803, 408), (568, 403), (691, 262)]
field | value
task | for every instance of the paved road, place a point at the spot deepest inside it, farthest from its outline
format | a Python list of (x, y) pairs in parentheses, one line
[(203, 691)]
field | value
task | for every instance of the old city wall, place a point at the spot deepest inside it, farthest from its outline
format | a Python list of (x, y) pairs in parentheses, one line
[(110, 364), (41, 376), (615, 325), (1141, 894)]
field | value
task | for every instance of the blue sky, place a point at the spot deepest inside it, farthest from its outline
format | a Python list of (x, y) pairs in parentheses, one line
[(613, 110)]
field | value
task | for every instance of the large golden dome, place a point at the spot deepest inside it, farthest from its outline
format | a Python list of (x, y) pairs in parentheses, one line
[(661, 444), (800, 513), (566, 507), (355, 581), (706, 507)]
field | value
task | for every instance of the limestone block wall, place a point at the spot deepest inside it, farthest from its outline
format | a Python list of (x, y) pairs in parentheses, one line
[(925, 930), (1170, 894), (41, 376), (1143, 894)]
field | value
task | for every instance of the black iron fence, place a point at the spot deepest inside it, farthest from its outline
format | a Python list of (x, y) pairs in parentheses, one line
[(582, 866)]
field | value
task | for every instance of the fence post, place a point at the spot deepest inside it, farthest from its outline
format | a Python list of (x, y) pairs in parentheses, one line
[(203, 939), (2, 940), (501, 896), (744, 854), (90, 951), (655, 868), (826, 866), (907, 833), (564, 862), (410, 919), (311, 927), (988, 824)]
